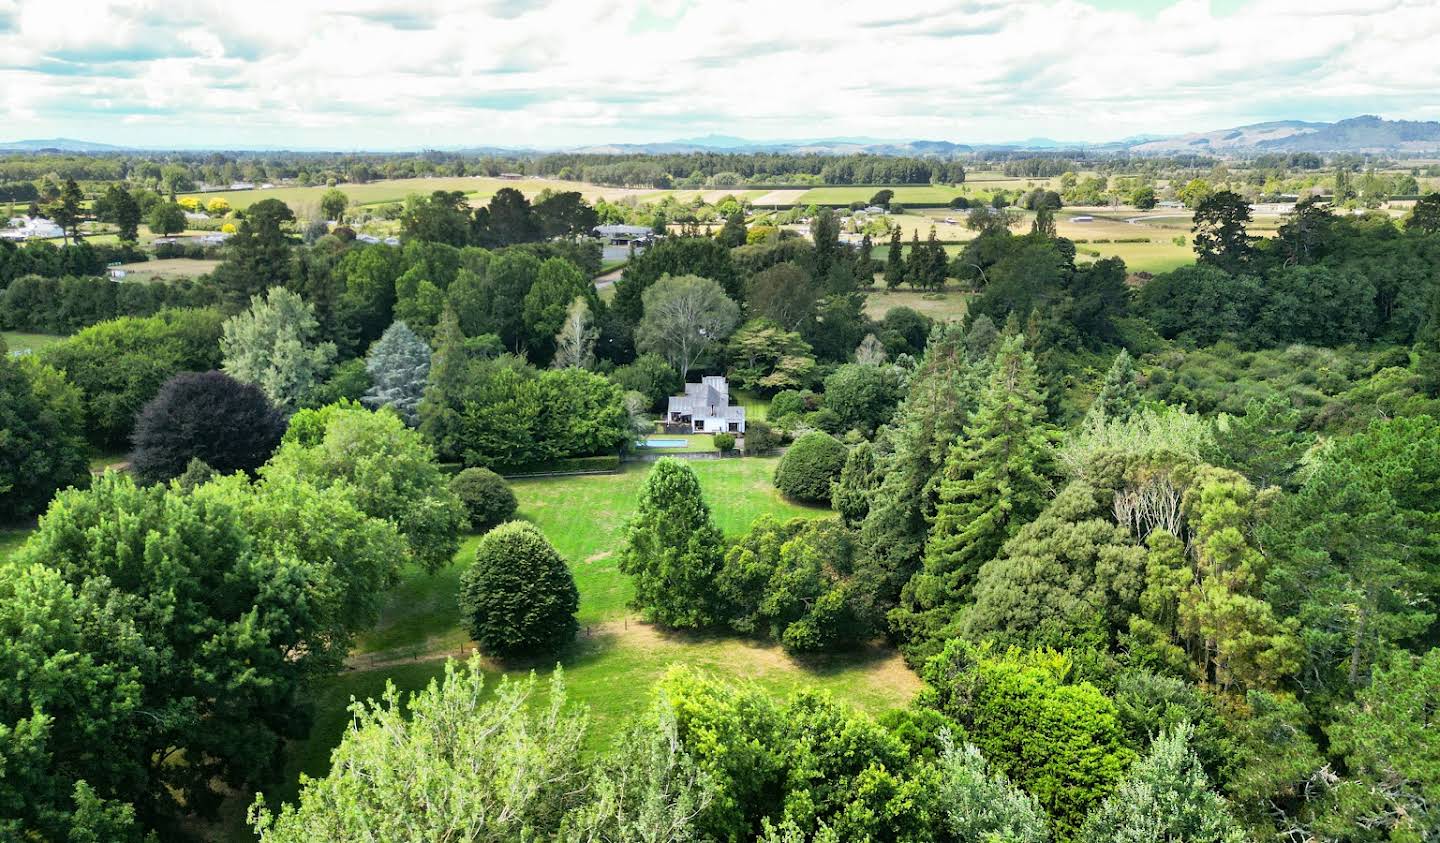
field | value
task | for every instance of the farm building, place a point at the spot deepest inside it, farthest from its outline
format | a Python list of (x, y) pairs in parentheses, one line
[(705, 408), (621, 235)]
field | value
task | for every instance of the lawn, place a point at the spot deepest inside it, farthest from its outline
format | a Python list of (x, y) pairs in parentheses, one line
[(10, 540), (616, 660), (167, 269), (18, 341), (946, 306)]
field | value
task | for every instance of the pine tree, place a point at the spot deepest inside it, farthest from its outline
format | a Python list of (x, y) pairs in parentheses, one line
[(915, 262), (894, 261), (1165, 797), (994, 481), (449, 368), (733, 232), (399, 364), (851, 495), (1119, 395), (935, 262)]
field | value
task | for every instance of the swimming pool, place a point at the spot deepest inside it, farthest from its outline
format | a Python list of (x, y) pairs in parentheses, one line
[(653, 442)]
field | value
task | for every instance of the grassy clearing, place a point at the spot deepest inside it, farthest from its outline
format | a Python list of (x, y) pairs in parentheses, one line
[(945, 306), (10, 540), (20, 341), (757, 407), (616, 661), (167, 269)]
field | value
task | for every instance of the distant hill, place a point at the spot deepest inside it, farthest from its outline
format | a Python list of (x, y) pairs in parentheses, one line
[(58, 145), (1356, 134)]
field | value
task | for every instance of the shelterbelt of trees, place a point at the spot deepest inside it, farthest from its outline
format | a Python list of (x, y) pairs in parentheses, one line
[(1166, 558)]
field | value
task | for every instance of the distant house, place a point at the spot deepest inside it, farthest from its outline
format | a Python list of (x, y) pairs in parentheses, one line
[(624, 235), (705, 408), (875, 209), (31, 228), (1082, 218), (512, 176), (242, 185)]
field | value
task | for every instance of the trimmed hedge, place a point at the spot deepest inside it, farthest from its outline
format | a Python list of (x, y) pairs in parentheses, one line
[(603, 462), (488, 500)]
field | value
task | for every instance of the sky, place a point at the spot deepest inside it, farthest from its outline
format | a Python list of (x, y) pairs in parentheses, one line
[(411, 74)]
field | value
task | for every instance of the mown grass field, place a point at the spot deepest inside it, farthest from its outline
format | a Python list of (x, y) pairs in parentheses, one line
[(616, 660), (20, 341), (168, 268)]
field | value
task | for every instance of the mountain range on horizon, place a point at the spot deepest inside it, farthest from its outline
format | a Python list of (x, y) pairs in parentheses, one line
[(1363, 134)]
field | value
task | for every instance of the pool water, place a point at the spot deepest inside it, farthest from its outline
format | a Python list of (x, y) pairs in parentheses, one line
[(666, 443)]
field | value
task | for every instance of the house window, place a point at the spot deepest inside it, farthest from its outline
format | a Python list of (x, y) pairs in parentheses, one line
[(734, 427), (699, 424)]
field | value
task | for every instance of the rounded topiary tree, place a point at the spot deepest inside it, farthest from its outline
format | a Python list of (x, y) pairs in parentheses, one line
[(487, 497), (809, 467), (210, 416), (518, 598), (724, 442)]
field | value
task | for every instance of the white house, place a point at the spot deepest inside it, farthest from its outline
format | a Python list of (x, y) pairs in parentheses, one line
[(706, 408)]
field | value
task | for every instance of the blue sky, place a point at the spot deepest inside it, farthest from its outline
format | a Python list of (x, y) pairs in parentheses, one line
[(383, 74)]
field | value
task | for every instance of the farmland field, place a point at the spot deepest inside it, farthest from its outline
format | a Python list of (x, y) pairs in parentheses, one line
[(477, 188), (617, 659)]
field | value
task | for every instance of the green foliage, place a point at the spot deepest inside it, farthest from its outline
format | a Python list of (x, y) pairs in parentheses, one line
[(723, 442), (70, 685), (760, 437), (398, 365), (409, 773), (273, 345), (223, 629), (1355, 549), (1060, 742), (1219, 228), (864, 397), (1391, 748), (853, 490), (1165, 796), (385, 468), (650, 376), (765, 357), (995, 480), (792, 582), (673, 549), (558, 283), (258, 257), (518, 598), (119, 365), (1065, 579), (42, 441), (487, 497), (809, 467), (1119, 395)]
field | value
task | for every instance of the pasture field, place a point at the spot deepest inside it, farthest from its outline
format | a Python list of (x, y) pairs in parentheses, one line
[(844, 194), (21, 341), (945, 306), (169, 268), (616, 659), (478, 189), (10, 541)]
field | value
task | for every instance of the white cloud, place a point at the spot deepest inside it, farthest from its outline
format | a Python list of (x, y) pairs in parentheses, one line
[(383, 73)]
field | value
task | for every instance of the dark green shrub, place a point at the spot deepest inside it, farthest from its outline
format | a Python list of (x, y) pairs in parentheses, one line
[(809, 467), (487, 498), (760, 437), (518, 598), (724, 442)]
